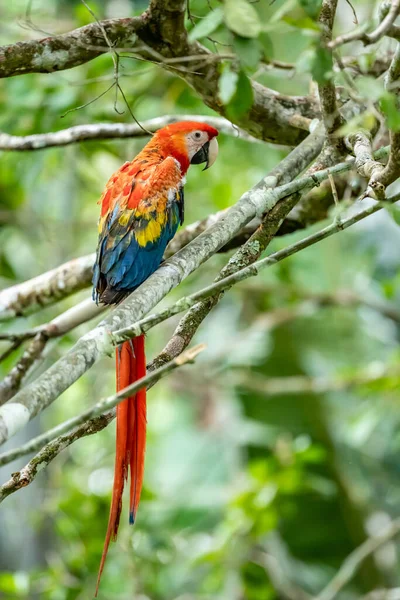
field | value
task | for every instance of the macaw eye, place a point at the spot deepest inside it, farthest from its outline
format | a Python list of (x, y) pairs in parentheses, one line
[(197, 135)]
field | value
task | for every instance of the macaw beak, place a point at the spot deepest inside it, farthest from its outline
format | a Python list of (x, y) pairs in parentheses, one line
[(207, 154)]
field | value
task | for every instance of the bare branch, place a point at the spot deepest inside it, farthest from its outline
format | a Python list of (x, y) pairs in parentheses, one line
[(168, 16), (353, 562), (65, 51), (276, 386), (286, 589), (378, 175), (49, 452), (60, 325), (60, 441), (32, 295), (370, 38), (12, 381), (105, 131)]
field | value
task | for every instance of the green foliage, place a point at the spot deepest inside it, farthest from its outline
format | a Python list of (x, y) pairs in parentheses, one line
[(394, 212), (235, 92), (311, 7), (242, 99), (207, 25), (227, 84), (248, 51), (390, 108), (321, 66), (242, 18)]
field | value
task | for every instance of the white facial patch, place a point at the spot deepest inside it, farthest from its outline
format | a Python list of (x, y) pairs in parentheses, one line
[(194, 141)]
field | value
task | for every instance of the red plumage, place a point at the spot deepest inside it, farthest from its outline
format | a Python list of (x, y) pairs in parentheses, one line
[(141, 208)]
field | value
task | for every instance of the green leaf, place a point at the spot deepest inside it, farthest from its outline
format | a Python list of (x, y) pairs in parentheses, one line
[(266, 44), (242, 99), (207, 25), (242, 18), (366, 120), (321, 67), (311, 7), (301, 23), (248, 50), (370, 88), (227, 85), (391, 111)]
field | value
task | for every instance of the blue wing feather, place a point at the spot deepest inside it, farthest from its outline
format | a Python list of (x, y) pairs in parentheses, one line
[(121, 263)]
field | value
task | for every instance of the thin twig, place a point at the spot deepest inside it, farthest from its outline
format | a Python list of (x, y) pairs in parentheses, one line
[(370, 38), (353, 562), (12, 348), (301, 384), (334, 190)]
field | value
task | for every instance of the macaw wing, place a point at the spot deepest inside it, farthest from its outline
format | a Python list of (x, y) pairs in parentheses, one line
[(135, 231), (114, 239)]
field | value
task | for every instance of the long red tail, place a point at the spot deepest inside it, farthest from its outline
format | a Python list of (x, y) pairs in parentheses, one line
[(131, 438)]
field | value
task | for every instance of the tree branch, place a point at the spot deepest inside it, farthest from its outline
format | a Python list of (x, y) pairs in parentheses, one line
[(327, 92), (272, 117), (360, 143), (60, 325), (60, 52), (32, 295), (106, 131), (379, 176)]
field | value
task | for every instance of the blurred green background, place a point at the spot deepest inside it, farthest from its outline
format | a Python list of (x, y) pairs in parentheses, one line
[(244, 491)]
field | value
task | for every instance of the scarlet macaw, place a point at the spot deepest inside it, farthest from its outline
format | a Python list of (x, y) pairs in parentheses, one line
[(141, 209)]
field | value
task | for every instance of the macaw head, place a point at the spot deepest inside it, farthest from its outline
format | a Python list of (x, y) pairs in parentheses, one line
[(190, 143)]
